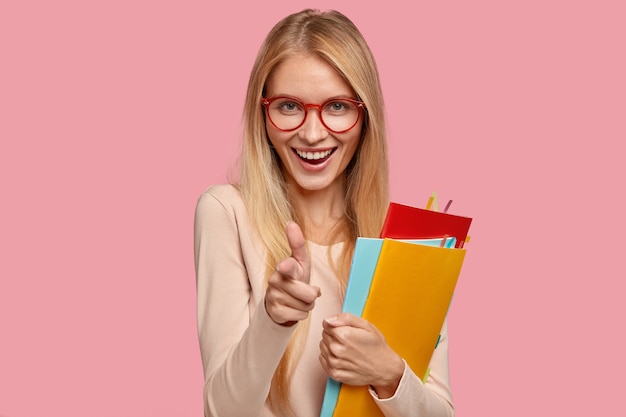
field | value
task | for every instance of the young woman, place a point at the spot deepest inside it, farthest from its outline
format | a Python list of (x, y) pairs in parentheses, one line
[(273, 251)]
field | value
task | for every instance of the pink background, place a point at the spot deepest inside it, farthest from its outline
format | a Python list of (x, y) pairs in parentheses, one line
[(115, 115)]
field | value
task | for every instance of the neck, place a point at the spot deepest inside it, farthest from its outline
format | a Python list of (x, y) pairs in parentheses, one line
[(321, 211)]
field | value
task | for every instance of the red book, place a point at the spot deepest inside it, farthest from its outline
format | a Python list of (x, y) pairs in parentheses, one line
[(407, 222)]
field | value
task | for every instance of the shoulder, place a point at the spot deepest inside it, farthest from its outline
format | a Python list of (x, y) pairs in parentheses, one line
[(221, 208), (227, 193), (222, 227), (220, 197)]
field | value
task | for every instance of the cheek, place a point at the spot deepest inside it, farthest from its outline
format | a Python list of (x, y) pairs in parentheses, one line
[(278, 141), (274, 137), (353, 144)]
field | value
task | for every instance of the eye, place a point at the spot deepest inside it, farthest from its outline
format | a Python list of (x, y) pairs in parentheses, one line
[(339, 107), (288, 106)]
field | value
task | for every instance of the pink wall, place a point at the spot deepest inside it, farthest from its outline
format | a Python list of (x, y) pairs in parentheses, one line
[(115, 115)]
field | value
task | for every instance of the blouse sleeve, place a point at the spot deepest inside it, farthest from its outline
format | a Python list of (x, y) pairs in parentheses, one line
[(416, 399), (240, 348)]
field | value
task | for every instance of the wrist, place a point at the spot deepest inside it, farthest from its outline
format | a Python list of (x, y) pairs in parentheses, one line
[(388, 384)]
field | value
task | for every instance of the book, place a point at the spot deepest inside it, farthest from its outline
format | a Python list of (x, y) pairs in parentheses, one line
[(408, 222), (364, 260)]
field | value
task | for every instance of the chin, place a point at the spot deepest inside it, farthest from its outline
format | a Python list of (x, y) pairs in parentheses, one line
[(316, 185)]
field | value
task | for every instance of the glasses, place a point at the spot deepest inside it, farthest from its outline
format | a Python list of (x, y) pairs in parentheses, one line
[(337, 115)]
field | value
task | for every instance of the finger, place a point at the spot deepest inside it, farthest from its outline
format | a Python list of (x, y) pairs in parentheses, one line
[(288, 301), (290, 268), (323, 358), (283, 308), (303, 301), (326, 356), (298, 248), (345, 319), (291, 288), (323, 348), (284, 315), (332, 365)]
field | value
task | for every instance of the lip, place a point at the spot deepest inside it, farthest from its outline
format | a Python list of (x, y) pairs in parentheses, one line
[(314, 165)]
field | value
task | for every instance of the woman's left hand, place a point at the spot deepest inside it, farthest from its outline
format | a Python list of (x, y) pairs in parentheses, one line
[(354, 352)]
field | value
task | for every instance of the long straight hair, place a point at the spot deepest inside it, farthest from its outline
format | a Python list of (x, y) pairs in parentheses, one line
[(332, 37)]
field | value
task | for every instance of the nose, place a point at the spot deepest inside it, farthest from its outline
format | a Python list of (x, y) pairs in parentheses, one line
[(313, 130)]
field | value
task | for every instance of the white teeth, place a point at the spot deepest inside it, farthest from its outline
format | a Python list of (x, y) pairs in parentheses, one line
[(313, 155)]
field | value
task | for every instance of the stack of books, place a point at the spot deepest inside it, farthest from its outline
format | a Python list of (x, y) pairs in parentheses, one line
[(402, 283)]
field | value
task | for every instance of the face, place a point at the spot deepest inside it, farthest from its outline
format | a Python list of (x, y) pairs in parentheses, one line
[(314, 158)]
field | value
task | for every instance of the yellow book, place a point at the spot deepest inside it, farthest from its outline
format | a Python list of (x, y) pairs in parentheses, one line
[(408, 301)]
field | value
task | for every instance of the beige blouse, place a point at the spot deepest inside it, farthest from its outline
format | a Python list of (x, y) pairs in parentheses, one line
[(241, 345)]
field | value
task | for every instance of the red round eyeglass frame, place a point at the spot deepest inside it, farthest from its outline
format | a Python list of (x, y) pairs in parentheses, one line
[(267, 101)]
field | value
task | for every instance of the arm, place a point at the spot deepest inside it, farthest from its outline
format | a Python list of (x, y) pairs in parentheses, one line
[(414, 398), (239, 353), (243, 328), (354, 352)]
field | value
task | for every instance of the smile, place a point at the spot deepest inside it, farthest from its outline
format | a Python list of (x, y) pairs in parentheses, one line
[(314, 157)]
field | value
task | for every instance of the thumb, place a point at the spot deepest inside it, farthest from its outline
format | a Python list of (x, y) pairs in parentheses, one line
[(298, 248), (345, 319)]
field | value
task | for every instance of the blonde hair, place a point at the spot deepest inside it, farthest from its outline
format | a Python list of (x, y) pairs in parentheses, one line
[(334, 38)]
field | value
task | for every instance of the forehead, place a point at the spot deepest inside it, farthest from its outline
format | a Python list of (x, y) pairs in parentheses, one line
[(307, 77)]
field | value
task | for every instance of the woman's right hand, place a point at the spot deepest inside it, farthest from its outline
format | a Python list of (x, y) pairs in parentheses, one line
[(289, 297)]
